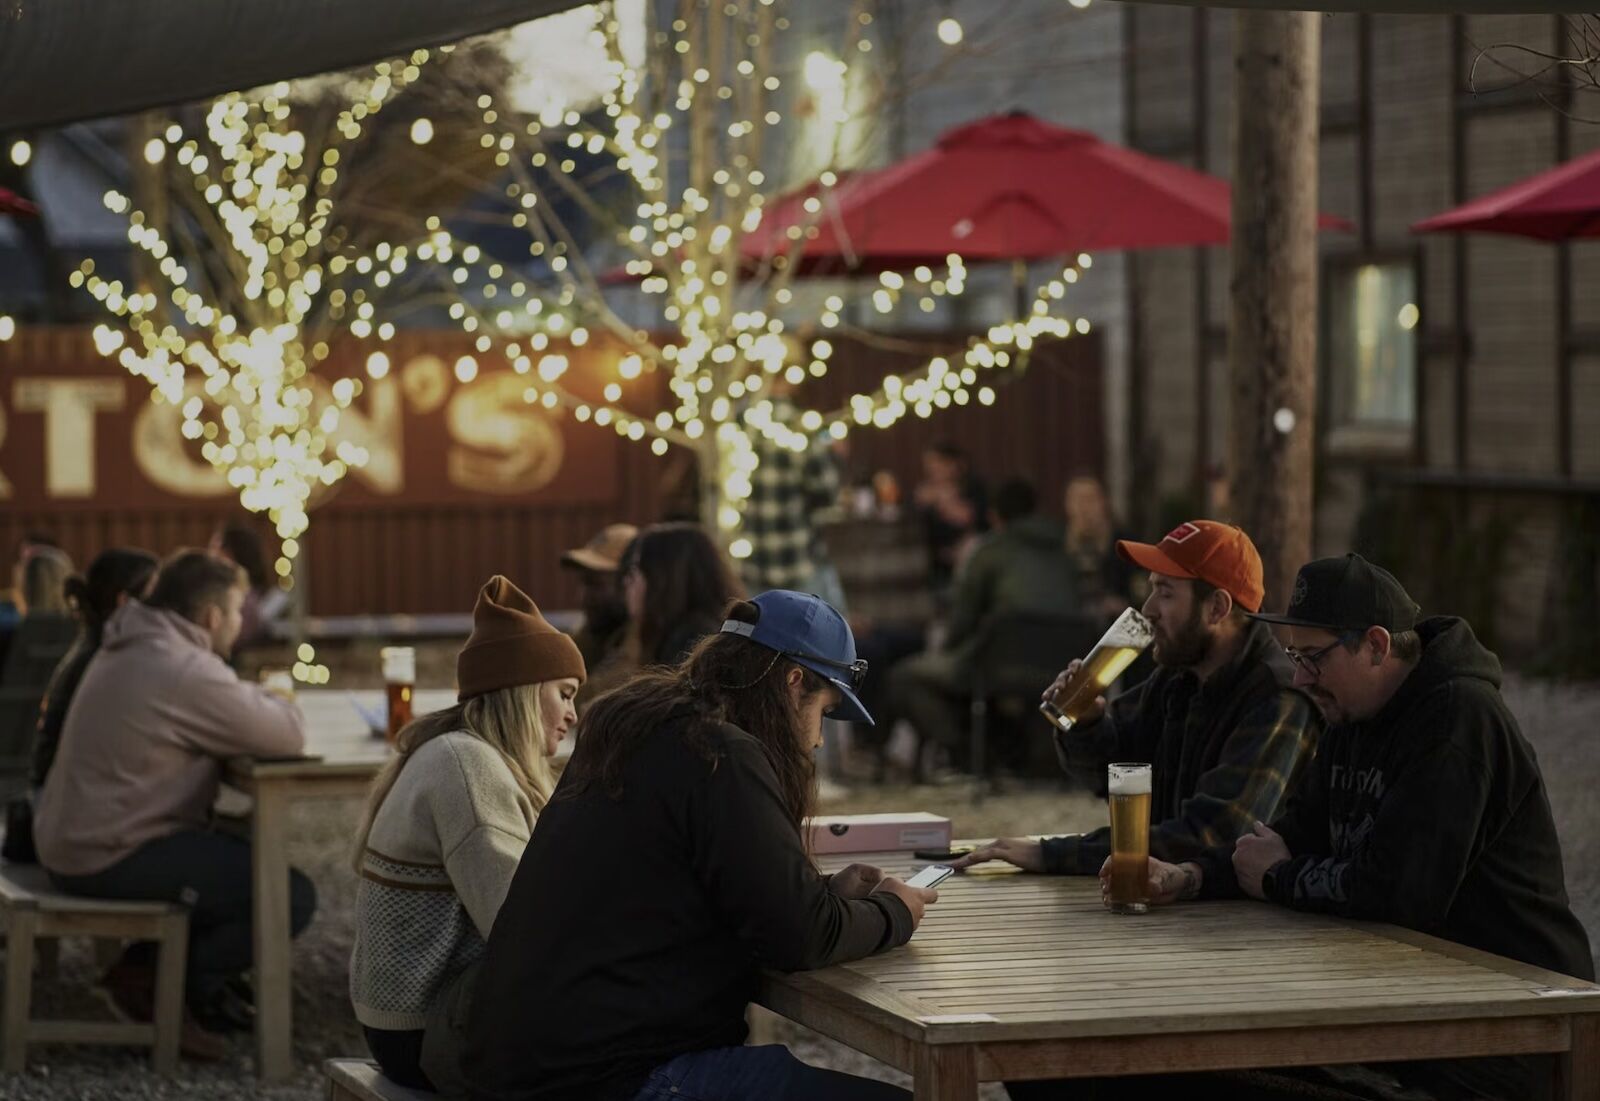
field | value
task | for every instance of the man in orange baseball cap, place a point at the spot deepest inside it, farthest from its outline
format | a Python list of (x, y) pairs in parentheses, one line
[(1218, 719)]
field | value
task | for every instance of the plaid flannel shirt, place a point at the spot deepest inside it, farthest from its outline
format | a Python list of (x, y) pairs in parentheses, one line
[(787, 489), (1224, 754)]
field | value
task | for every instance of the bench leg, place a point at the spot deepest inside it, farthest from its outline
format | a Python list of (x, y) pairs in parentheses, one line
[(946, 1072), (172, 962), (18, 1006)]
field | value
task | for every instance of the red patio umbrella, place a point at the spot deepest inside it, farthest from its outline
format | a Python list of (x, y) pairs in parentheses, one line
[(1008, 187), (15, 205), (1558, 204)]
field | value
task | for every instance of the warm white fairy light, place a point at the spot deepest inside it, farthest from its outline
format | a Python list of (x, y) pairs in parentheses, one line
[(237, 352), (733, 333)]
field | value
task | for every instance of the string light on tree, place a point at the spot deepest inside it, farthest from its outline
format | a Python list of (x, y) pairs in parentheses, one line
[(247, 308), (708, 93)]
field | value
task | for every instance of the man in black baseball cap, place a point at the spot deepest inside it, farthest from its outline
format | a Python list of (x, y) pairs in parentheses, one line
[(1424, 807)]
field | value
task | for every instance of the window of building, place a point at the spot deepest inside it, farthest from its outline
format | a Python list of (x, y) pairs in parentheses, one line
[(1371, 352)]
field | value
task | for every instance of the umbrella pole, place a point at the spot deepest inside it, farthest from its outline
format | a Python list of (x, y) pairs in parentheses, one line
[(1019, 287)]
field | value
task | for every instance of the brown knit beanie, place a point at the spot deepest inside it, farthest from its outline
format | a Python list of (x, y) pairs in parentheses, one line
[(512, 644)]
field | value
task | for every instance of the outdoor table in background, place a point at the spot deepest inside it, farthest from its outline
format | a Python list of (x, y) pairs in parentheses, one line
[(1015, 976), (342, 759)]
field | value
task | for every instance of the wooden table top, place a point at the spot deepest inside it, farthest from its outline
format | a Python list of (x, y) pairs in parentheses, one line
[(1008, 956), (339, 740)]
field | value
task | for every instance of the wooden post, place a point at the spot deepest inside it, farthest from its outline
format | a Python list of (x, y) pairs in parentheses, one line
[(274, 984), (1272, 339)]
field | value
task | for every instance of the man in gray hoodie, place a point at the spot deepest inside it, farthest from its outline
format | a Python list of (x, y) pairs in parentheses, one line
[(126, 811)]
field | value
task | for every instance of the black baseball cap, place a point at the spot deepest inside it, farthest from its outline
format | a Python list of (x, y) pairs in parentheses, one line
[(1347, 594)]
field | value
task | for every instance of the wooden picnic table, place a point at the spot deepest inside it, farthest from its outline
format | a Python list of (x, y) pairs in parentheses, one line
[(342, 758), (1015, 976)]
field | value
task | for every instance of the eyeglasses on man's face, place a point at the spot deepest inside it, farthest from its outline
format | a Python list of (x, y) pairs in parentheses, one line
[(1310, 662)]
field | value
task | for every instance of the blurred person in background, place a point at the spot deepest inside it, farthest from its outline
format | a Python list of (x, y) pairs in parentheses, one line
[(39, 581), (603, 636), (676, 582), (789, 490), (11, 599), (1019, 566), (954, 506), (265, 601), (1106, 582), (114, 577)]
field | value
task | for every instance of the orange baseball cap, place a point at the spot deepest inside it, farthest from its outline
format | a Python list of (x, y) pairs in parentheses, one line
[(1205, 550)]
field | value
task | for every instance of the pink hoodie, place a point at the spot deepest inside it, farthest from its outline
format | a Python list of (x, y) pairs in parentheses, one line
[(155, 716)]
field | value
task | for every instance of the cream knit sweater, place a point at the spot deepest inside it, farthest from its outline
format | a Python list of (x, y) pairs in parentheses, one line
[(439, 860)]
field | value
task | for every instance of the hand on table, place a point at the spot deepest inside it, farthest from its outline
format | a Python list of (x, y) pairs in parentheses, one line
[(1253, 854), (1025, 854)]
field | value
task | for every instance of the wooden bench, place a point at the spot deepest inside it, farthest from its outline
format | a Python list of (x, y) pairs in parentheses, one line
[(32, 913), (361, 1080)]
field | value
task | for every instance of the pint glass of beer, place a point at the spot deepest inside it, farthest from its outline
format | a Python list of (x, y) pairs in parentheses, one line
[(1123, 641), (399, 678), (1129, 789)]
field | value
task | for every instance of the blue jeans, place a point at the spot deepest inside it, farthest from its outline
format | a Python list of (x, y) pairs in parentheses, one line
[(767, 1073)]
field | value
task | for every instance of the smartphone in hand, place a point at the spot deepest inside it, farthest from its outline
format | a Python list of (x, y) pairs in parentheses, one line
[(931, 876)]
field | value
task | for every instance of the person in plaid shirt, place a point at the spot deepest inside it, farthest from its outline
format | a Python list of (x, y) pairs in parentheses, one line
[(787, 490), (1219, 719)]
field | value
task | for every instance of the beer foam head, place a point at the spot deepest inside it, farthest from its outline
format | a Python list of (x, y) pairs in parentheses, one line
[(1128, 779)]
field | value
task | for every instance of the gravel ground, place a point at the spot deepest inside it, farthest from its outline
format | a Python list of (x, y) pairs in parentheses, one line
[(1561, 721)]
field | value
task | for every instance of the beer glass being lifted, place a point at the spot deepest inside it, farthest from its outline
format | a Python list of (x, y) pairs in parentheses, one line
[(1123, 641)]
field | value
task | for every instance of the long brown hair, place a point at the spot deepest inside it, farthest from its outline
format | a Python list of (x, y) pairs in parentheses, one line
[(688, 582), (725, 679)]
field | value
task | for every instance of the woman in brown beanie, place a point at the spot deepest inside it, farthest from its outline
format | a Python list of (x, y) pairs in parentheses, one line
[(446, 824)]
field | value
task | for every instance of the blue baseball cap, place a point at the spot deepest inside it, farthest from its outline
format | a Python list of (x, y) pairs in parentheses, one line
[(808, 631)]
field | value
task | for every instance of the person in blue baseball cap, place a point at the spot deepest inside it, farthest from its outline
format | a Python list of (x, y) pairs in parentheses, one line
[(670, 867)]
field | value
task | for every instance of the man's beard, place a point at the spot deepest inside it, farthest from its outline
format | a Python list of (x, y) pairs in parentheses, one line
[(1189, 646)]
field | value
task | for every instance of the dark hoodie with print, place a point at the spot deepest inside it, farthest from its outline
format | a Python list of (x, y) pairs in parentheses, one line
[(1433, 815)]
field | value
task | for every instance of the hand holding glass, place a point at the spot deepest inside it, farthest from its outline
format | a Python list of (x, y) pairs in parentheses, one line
[(1123, 641)]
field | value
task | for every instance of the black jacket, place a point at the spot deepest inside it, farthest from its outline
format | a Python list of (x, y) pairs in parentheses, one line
[(53, 711), (1433, 815), (635, 928), (1223, 753)]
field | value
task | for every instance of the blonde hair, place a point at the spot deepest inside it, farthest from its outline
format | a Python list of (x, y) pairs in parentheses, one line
[(44, 582), (511, 720)]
